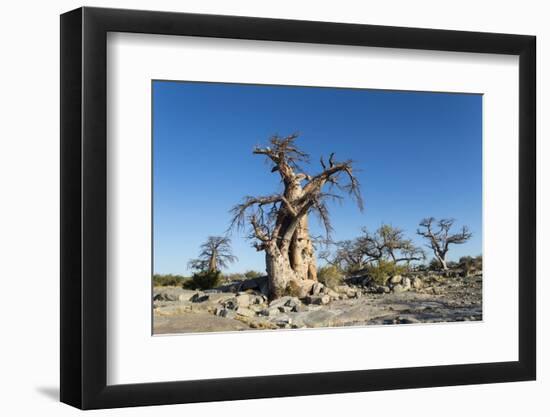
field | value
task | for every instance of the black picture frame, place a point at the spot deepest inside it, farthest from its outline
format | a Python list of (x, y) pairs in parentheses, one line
[(84, 207)]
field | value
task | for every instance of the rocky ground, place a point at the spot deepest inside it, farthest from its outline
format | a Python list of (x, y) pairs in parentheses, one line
[(242, 305)]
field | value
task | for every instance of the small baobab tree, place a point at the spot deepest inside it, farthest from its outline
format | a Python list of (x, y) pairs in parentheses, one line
[(279, 222), (439, 236), (215, 255)]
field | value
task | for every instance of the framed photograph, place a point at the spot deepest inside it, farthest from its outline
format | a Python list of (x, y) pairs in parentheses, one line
[(259, 208)]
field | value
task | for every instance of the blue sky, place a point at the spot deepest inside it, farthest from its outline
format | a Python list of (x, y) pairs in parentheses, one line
[(417, 154)]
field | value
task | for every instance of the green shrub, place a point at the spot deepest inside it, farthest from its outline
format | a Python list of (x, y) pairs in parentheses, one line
[(469, 265), (203, 280), (330, 276), (253, 274), (168, 280), (383, 270)]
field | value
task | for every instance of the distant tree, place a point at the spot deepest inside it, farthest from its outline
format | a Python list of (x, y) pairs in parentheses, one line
[(347, 257), (439, 236), (215, 255), (387, 244)]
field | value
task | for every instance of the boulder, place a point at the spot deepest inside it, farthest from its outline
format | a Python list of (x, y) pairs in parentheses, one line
[(317, 288), (382, 289), (417, 283), (242, 300), (396, 279), (317, 318), (224, 312), (245, 312), (167, 294), (406, 282), (331, 293), (318, 299), (283, 322), (399, 288), (342, 289), (300, 308), (270, 312), (199, 297), (285, 301), (354, 292)]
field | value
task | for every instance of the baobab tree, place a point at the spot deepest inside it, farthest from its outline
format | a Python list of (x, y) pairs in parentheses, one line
[(440, 237), (279, 222), (215, 255)]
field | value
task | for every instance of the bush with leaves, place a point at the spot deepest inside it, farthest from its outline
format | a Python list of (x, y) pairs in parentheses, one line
[(330, 275), (469, 265), (383, 270), (253, 274), (168, 280), (203, 280)]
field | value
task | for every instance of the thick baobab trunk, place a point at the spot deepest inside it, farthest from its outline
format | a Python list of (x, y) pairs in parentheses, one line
[(279, 271), (302, 252), (283, 279)]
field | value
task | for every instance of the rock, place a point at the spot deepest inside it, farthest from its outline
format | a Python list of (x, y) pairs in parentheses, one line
[(284, 322), (285, 309), (331, 293), (231, 304), (406, 282), (399, 288), (166, 295), (270, 312), (318, 299), (317, 318), (184, 297), (257, 308), (299, 308), (199, 297), (224, 312), (245, 312), (285, 301), (306, 287), (417, 283), (243, 300), (257, 299), (342, 289), (396, 279), (382, 289), (407, 320), (317, 288)]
